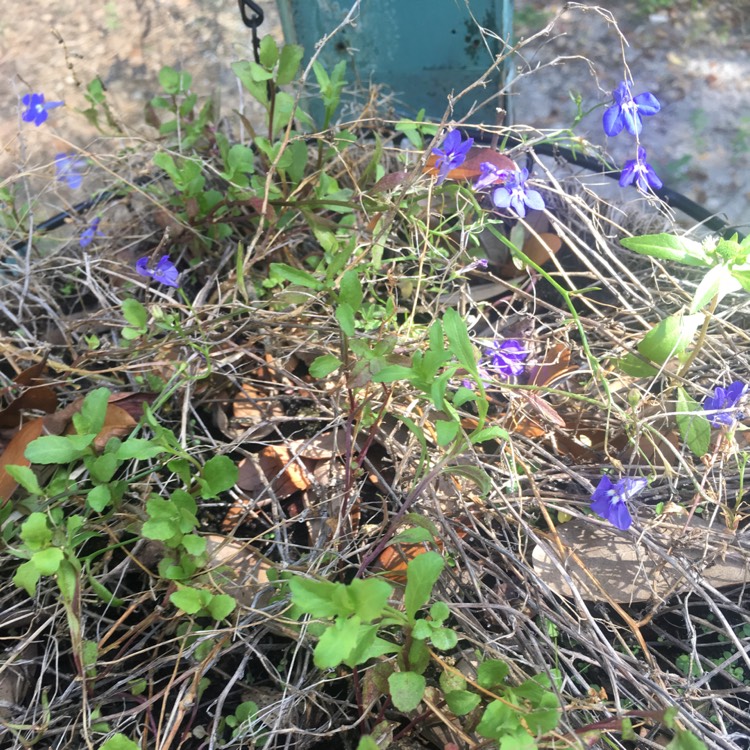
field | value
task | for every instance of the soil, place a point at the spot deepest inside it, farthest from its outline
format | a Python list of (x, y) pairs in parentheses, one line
[(692, 55)]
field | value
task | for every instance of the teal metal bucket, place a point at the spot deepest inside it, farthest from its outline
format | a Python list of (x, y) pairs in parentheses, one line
[(421, 51)]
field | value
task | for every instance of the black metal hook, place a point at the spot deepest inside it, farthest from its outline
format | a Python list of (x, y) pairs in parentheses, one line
[(252, 22)]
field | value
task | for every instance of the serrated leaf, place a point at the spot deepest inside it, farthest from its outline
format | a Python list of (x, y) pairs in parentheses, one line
[(695, 429), (35, 531), (668, 247), (407, 690), (313, 597), (421, 575)]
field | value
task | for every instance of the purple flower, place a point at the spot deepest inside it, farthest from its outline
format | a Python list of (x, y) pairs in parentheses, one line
[(165, 272), (723, 407), (489, 174), (641, 172), (67, 168), (452, 154), (37, 108), (627, 111), (88, 234), (608, 500), (516, 196), (507, 357)]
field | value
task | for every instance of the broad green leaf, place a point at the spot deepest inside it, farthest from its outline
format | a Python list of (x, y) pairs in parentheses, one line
[(695, 429), (446, 431), (103, 467), (289, 60), (489, 433), (99, 498), (313, 597), (439, 612), (360, 652), (189, 600), (669, 337), (491, 673), (221, 606), (57, 449), (369, 597), (119, 742), (268, 51), (219, 474), (518, 740), (668, 247), (407, 690), (367, 743), (718, 282), (350, 289), (47, 561), (498, 720), (413, 536), (635, 367), (26, 577), (462, 702), (444, 639), (90, 419), (139, 448), (193, 544), (324, 365), (337, 642), (421, 575), (685, 740), (35, 531), (26, 477), (391, 373)]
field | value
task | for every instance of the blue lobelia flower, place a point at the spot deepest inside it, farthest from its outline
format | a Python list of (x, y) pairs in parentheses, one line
[(165, 272), (608, 499), (36, 108), (628, 111), (67, 169), (640, 172), (507, 358), (723, 407), (516, 196), (489, 174), (452, 154), (88, 234)]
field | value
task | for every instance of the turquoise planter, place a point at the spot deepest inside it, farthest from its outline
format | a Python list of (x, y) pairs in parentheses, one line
[(420, 50)]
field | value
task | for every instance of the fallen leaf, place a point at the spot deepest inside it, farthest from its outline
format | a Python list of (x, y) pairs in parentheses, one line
[(35, 396), (14, 455), (236, 569)]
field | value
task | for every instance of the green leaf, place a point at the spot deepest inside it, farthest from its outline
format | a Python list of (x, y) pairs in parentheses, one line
[(492, 673), (26, 477), (324, 365), (194, 545), (350, 289), (345, 317), (743, 277), (221, 606), (119, 742), (337, 642), (47, 561), (421, 575), (57, 449), (407, 690), (268, 52), (462, 702), (35, 531), (369, 597), (695, 429), (446, 431), (518, 740), (668, 247), (498, 720), (313, 597), (391, 373), (294, 275), (289, 62), (99, 498), (67, 580), (685, 740), (475, 474), (103, 467), (413, 536), (219, 474), (26, 577), (138, 448), (488, 433), (635, 367), (90, 418), (669, 337), (718, 282), (439, 612), (367, 743), (189, 600), (460, 343), (444, 639)]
